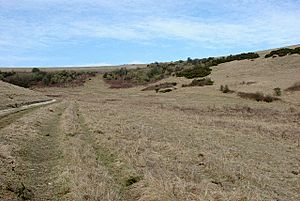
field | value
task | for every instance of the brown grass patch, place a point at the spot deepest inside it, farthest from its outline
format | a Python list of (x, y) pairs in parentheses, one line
[(120, 84), (160, 86)]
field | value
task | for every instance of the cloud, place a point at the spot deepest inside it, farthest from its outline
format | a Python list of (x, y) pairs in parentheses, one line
[(37, 25)]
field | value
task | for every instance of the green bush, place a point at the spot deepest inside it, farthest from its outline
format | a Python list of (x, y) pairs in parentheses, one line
[(35, 70), (21, 79), (277, 91), (283, 52), (200, 82), (37, 77), (194, 72)]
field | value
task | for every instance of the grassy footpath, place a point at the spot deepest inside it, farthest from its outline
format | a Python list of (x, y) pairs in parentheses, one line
[(34, 170)]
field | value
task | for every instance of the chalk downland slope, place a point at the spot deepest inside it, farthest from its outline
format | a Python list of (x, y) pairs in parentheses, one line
[(12, 96), (261, 75)]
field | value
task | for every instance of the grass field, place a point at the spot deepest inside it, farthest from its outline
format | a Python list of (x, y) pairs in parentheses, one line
[(193, 143)]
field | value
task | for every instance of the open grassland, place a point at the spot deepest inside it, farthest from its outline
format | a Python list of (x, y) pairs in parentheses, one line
[(193, 143)]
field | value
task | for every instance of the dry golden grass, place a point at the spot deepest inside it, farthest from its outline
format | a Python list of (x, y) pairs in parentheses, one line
[(190, 144), (14, 96), (193, 144)]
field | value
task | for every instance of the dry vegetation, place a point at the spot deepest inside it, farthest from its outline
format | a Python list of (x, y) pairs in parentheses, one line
[(195, 143), (12, 96)]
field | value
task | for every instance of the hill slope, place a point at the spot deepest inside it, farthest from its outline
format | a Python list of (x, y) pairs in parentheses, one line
[(14, 96), (262, 74)]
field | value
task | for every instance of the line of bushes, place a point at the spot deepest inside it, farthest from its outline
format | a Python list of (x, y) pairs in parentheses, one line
[(41, 78), (283, 52), (258, 96)]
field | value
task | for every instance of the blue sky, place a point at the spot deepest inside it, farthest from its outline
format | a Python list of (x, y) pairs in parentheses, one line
[(104, 32)]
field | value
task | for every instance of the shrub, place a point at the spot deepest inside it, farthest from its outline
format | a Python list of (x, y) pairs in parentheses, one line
[(165, 90), (268, 99), (20, 79), (39, 78), (35, 70), (277, 91), (258, 96), (222, 88), (200, 82), (283, 52), (194, 72), (226, 89)]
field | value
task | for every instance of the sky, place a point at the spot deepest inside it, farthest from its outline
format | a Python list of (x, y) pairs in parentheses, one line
[(112, 32)]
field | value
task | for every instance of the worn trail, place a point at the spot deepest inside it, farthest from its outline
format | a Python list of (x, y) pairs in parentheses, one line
[(33, 164)]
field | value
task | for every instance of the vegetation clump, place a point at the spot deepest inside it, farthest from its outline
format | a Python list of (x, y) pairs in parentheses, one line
[(164, 90), (191, 69), (277, 91), (225, 89), (40, 78), (199, 82), (132, 180), (283, 52), (258, 96), (160, 86), (195, 72)]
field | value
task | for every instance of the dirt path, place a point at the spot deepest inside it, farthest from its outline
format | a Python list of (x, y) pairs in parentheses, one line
[(25, 107), (32, 158), (42, 156)]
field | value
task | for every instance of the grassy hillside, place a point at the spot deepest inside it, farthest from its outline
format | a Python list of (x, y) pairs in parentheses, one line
[(191, 68), (12, 96)]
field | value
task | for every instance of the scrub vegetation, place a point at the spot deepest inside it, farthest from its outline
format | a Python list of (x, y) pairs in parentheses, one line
[(43, 78), (191, 68), (202, 142)]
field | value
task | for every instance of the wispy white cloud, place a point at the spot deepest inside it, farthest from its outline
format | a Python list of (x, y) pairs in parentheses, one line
[(41, 24)]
